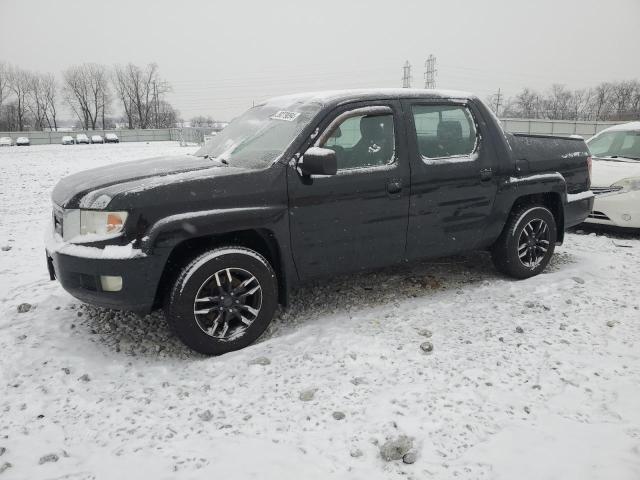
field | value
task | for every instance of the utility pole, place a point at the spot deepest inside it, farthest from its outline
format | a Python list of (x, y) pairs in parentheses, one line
[(406, 75), (498, 102), (430, 72)]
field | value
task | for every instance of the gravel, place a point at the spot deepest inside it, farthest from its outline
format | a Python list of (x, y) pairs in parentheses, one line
[(338, 415), (52, 457), (409, 458), (24, 307), (396, 448), (307, 395), (259, 361), (426, 347)]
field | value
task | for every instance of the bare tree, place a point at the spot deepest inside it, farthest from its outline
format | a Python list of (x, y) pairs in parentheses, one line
[(621, 94), (4, 82), (601, 100), (19, 84), (141, 92), (579, 104), (86, 90), (50, 92), (37, 102), (121, 85), (525, 104)]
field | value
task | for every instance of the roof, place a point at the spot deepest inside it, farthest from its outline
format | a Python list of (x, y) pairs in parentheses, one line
[(623, 127), (327, 97)]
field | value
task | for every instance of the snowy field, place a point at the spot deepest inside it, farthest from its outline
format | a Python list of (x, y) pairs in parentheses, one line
[(535, 379)]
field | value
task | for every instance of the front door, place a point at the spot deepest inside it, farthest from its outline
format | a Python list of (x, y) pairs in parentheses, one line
[(357, 219)]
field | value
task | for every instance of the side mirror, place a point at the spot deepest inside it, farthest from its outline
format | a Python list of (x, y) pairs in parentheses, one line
[(318, 161)]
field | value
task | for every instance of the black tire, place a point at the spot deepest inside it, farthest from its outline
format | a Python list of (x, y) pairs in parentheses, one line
[(520, 254), (199, 280)]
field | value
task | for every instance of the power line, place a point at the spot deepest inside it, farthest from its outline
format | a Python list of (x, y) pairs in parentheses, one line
[(406, 75), (498, 99), (430, 72)]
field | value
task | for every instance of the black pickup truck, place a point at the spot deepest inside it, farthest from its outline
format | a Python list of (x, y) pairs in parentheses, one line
[(309, 186)]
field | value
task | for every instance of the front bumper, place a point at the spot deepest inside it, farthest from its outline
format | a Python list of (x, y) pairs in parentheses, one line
[(80, 277), (620, 209)]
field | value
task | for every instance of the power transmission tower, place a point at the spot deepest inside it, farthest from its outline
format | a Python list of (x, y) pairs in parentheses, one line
[(498, 99), (406, 75), (430, 72)]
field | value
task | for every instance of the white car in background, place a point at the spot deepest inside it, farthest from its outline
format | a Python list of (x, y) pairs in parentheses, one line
[(111, 138), (68, 140), (615, 179), (23, 142), (97, 139), (6, 142), (82, 138)]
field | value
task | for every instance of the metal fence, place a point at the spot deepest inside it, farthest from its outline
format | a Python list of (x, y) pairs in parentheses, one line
[(197, 135), (555, 127)]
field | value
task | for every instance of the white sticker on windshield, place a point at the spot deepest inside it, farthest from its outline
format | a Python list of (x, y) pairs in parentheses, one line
[(286, 116)]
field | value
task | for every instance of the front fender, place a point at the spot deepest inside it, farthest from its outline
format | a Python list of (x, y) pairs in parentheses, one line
[(174, 229)]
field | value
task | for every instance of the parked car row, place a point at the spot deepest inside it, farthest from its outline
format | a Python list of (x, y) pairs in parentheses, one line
[(8, 142), (66, 140), (82, 138)]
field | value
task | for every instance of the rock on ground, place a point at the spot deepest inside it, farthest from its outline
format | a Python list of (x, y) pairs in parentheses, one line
[(396, 448)]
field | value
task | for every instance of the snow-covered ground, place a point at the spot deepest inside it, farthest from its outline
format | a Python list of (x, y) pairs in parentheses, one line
[(535, 379)]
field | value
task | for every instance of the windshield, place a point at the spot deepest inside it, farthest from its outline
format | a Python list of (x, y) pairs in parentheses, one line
[(259, 136), (616, 144)]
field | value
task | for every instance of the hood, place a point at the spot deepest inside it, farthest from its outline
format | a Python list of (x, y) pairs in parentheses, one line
[(84, 189), (607, 172)]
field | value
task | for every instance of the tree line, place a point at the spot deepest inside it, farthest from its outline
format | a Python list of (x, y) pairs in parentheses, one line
[(606, 101), (31, 100)]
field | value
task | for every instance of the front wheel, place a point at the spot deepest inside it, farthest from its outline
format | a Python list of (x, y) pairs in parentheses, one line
[(527, 242), (223, 300)]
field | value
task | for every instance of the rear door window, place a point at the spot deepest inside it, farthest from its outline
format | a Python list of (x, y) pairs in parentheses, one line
[(444, 131)]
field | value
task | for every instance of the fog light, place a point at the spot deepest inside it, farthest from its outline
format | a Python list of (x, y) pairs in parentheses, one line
[(626, 217), (111, 284)]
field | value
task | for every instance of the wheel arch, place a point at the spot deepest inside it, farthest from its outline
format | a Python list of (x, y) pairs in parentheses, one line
[(261, 240), (550, 200)]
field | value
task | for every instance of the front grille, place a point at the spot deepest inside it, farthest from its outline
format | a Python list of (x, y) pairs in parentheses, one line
[(598, 215), (603, 190)]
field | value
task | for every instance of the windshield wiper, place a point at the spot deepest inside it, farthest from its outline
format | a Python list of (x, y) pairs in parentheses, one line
[(221, 160)]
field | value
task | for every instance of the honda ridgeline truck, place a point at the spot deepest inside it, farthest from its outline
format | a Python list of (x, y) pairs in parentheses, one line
[(312, 186)]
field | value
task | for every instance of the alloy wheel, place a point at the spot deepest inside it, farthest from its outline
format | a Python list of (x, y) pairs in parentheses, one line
[(227, 303), (533, 243)]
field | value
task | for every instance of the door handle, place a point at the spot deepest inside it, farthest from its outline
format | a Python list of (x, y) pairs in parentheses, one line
[(486, 174), (394, 186)]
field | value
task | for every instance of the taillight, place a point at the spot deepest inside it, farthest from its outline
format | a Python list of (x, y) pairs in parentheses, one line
[(589, 165)]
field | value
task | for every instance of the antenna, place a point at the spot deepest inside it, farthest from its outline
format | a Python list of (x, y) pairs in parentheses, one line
[(406, 75), (498, 99), (430, 72)]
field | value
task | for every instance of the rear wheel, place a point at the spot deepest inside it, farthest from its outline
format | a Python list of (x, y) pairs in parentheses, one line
[(527, 242), (223, 300)]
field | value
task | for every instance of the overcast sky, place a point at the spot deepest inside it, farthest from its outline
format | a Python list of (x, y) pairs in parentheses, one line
[(219, 56)]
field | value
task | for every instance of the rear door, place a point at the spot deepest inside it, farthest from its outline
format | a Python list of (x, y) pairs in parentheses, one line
[(453, 182), (357, 219)]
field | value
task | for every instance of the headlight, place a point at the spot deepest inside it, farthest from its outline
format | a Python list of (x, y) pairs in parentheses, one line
[(97, 222), (91, 225), (628, 184)]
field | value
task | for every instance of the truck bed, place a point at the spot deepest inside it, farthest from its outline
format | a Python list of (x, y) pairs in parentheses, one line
[(544, 154)]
